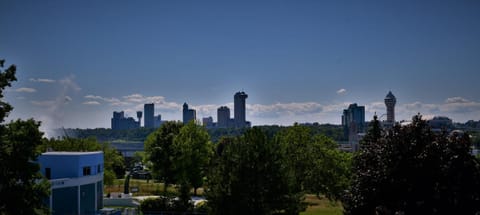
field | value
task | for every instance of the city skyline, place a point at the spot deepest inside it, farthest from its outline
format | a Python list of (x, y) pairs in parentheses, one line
[(299, 61)]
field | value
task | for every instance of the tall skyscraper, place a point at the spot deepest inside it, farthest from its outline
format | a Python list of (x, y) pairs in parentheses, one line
[(188, 114), (353, 121), (390, 102), (239, 111), (223, 117), (149, 110)]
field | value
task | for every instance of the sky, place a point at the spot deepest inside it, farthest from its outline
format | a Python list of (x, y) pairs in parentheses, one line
[(299, 61)]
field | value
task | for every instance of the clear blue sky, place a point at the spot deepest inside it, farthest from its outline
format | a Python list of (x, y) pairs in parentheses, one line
[(299, 61)]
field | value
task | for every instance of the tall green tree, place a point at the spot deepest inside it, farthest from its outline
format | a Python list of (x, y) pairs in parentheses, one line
[(193, 150), (247, 177), (22, 187), (160, 152), (314, 162), (412, 170)]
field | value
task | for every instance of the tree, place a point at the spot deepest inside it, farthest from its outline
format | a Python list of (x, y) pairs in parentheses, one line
[(114, 164), (160, 152), (193, 150), (412, 170), (247, 177), (22, 187), (314, 162)]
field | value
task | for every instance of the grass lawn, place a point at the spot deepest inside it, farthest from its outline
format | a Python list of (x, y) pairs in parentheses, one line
[(145, 189), (322, 206), (316, 206)]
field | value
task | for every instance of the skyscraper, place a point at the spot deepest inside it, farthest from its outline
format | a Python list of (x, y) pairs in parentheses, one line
[(239, 111), (390, 102), (120, 122), (223, 117), (149, 109), (188, 114), (353, 121)]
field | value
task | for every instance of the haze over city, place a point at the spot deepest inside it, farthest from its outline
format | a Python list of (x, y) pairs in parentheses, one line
[(306, 61)]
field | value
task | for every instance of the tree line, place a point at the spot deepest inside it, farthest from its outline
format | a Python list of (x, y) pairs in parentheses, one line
[(335, 132)]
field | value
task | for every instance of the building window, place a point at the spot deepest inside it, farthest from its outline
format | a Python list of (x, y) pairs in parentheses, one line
[(48, 173), (86, 170), (99, 168)]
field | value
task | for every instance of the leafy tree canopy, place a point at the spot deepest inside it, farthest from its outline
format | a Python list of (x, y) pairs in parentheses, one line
[(412, 170), (22, 187), (193, 151), (160, 152)]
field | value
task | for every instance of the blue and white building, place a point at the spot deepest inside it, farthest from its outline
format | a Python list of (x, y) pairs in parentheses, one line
[(76, 181)]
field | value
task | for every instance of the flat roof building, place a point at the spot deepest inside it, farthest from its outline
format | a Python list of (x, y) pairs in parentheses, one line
[(240, 109), (149, 115), (188, 114), (76, 180), (120, 122)]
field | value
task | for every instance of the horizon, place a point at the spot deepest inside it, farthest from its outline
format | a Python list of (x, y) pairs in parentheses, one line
[(304, 62)]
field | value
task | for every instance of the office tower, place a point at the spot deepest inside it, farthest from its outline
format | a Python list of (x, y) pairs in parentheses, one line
[(223, 117), (149, 110), (353, 121), (116, 120), (120, 122), (188, 114), (239, 109), (390, 102)]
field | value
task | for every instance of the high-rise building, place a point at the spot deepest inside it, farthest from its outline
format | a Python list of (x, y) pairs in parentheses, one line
[(353, 121), (120, 122), (390, 102), (188, 114), (149, 110), (223, 117), (239, 109)]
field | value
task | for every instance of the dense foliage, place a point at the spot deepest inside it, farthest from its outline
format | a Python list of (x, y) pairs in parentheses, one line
[(193, 150), (160, 152), (334, 132), (412, 170), (248, 177), (108, 135), (22, 187), (314, 162), (258, 174)]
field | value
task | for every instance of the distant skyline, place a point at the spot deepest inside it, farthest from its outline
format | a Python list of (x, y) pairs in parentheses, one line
[(299, 61)]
